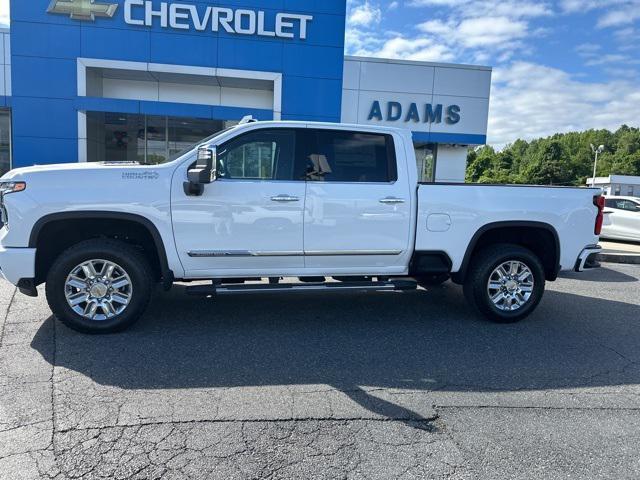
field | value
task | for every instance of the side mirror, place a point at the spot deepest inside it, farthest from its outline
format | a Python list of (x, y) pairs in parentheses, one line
[(203, 173)]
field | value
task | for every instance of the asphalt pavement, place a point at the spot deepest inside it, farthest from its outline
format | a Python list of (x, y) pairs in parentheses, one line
[(353, 386)]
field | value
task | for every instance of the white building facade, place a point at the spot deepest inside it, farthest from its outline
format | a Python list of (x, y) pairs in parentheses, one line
[(446, 106), (618, 185)]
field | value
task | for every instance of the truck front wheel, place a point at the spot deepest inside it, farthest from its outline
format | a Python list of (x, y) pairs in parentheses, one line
[(99, 286), (505, 282)]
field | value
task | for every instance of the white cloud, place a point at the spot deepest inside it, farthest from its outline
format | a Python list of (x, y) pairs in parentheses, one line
[(587, 49), (4, 13), (574, 6), (595, 56), (498, 32), (480, 8), (393, 45), (365, 38), (481, 29), (365, 15), (623, 16), (610, 58), (422, 49), (530, 101), (616, 13)]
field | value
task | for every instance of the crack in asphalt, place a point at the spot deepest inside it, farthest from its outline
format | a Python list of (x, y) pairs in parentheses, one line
[(250, 421), (251, 450), (6, 315), (54, 348)]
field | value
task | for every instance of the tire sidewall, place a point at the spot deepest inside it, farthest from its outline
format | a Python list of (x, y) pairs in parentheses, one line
[(481, 295), (135, 267)]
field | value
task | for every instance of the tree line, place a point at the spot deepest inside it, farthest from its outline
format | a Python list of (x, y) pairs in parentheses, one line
[(561, 159)]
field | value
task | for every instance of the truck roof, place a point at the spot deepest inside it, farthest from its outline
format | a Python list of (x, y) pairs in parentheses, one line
[(340, 126)]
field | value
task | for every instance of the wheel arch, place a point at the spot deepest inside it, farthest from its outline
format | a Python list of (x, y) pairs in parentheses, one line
[(142, 224), (543, 240)]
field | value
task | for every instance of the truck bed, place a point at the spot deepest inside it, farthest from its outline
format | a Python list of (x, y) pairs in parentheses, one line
[(451, 215)]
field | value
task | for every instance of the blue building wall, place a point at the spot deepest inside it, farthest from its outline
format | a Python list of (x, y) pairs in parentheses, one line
[(45, 48)]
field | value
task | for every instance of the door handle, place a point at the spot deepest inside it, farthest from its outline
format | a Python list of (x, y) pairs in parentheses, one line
[(391, 200), (284, 198)]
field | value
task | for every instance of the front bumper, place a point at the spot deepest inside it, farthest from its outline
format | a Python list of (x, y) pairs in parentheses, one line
[(17, 264), (586, 260)]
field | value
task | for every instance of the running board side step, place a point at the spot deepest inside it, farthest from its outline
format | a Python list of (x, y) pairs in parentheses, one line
[(209, 290)]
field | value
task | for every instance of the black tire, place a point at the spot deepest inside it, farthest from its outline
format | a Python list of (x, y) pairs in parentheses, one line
[(480, 271), (432, 280), (125, 256)]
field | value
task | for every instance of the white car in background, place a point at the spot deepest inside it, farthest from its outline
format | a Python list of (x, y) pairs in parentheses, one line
[(622, 218)]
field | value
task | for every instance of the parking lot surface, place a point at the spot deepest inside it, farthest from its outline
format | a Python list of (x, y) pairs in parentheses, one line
[(380, 386)]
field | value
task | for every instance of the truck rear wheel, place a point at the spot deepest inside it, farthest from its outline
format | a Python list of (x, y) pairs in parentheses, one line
[(99, 286), (505, 282)]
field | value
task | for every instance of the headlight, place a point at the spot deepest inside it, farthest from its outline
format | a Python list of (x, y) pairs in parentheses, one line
[(12, 187)]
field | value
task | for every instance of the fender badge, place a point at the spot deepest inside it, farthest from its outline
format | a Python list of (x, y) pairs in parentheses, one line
[(140, 175)]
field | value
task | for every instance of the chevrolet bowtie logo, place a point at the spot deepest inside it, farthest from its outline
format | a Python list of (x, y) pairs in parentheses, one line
[(83, 9)]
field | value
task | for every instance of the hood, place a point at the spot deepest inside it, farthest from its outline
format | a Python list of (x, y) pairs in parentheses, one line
[(66, 169)]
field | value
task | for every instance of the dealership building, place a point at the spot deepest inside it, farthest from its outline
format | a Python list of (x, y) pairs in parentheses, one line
[(139, 80)]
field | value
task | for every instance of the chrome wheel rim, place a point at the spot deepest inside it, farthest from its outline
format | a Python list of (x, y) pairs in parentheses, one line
[(510, 286), (98, 290)]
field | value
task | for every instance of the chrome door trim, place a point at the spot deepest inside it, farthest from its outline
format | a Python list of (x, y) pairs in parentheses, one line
[(336, 253), (313, 253), (239, 253)]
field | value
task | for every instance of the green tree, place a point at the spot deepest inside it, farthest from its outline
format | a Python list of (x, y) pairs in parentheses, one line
[(550, 166), (478, 162), (559, 159)]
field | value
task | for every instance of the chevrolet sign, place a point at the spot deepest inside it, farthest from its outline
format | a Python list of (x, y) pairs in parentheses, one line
[(182, 16)]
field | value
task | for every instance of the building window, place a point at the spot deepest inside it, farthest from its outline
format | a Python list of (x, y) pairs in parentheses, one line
[(630, 191), (426, 154), (147, 139), (5, 141), (616, 190)]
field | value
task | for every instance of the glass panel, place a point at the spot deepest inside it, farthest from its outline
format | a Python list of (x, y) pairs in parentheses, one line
[(351, 157), (5, 141), (156, 140), (115, 137), (426, 161), (185, 132), (119, 137), (260, 155)]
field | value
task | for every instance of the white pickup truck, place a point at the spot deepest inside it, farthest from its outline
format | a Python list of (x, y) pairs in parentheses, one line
[(335, 207)]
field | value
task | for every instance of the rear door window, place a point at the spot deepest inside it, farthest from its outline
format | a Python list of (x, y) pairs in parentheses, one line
[(354, 157)]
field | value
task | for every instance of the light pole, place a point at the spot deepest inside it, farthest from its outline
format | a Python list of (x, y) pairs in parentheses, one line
[(596, 151)]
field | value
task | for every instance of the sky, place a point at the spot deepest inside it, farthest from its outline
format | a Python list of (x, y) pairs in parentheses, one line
[(558, 65)]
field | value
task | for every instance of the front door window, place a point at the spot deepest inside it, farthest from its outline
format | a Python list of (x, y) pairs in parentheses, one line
[(261, 155)]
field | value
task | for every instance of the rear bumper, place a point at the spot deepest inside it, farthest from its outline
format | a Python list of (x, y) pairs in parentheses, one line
[(586, 260), (17, 264)]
